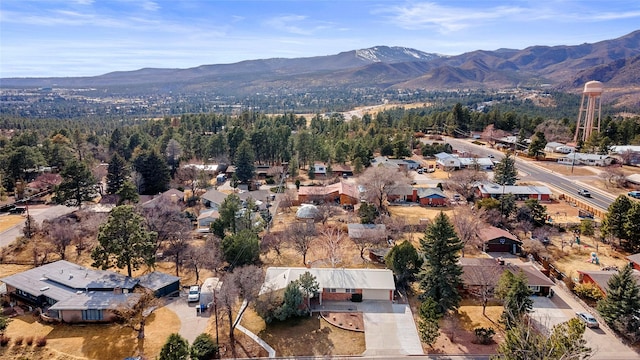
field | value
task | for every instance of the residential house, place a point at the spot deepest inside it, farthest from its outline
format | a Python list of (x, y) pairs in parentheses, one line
[(213, 199), (628, 154), (399, 164), (205, 219), (485, 190), (634, 260), (447, 161), (71, 292), (335, 284), (600, 278), (320, 169), (174, 195), (343, 192), (431, 197), (633, 179), (479, 272), (478, 163), (499, 240), (556, 147), (585, 159), (342, 170)]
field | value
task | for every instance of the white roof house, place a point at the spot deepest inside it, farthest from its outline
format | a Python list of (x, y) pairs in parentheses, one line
[(585, 159), (373, 284), (447, 160)]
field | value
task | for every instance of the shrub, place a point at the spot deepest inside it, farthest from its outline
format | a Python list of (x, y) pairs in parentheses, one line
[(19, 340), (484, 335), (4, 340), (588, 291), (29, 340), (41, 341)]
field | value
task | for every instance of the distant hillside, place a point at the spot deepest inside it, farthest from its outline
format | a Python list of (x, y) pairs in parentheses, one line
[(614, 62)]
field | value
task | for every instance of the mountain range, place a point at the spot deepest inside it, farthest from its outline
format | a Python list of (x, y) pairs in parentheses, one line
[(615, 62)]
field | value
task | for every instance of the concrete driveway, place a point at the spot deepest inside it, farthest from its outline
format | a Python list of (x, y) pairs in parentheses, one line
[(562, 307), (389, 329), (192, 323)]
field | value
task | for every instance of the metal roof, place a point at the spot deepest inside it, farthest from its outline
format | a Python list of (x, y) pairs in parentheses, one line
[(373, 279)]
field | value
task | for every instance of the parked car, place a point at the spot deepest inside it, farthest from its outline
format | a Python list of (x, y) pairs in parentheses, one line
[(588, 319), (194, 293), (420, 171), (584, 192), (17, 210), (634, 194)]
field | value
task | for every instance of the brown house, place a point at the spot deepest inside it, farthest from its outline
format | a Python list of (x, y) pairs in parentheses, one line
[(343, 192), (498, 240), (478, 272)]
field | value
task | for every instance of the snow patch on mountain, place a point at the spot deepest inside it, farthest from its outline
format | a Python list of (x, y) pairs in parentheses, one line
[(393, 54)]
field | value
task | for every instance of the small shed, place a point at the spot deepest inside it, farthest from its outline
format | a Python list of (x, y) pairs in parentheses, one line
[(498, 240), (160, 283)]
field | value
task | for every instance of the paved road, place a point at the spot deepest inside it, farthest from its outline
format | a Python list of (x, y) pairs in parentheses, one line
[(537, 172), (39, 213)]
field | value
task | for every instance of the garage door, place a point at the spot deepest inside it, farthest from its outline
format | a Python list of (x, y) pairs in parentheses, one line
[(376, 294), (499, 248)]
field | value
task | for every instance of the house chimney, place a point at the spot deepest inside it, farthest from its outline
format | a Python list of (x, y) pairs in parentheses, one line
[(117, 290)]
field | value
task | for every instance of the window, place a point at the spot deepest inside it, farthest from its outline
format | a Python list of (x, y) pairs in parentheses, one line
[(350, 291), (535, 289), (92, 314), (331, 290)]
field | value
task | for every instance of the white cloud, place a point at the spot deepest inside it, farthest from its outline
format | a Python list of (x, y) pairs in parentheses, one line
[(289, 23)]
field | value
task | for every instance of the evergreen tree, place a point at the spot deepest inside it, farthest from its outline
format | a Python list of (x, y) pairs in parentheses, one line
[(536, 147), (309, 285), (293, 298), (405, 262), (154, 171), (244, 161), (515, 293), (242, 248), (176, 348), (428, 327), (620, 307), (203, 348), (78, 185), (441, 276), (613, 222), (124, 242), (632, 229), (128, 193), (116, 173), (505, 172)]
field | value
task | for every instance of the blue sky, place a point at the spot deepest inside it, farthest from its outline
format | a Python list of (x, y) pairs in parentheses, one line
[(92, 37)]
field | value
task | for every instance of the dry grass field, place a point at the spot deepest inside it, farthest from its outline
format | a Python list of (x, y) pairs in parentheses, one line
[(89, 341), (9, 221)]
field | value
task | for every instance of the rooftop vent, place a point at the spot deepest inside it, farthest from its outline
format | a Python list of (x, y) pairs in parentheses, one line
[(44, 288)]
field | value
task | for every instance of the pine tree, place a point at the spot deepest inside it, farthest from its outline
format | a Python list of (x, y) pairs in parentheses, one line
[(203, 348), (536, 147), (632, 229), (116, 174), (441, 276), (176, 348), (428, 327), (154, 171), (244, 161), (515, 293), (505, 172), (613, 222), (78, 185), (620, 308)]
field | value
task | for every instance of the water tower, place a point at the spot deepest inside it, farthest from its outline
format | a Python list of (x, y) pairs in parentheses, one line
[(587, 114)]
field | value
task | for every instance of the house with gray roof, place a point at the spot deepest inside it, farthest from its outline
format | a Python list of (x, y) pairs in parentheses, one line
[(213, 199), (73, 293), (585, 159), (486, 189)]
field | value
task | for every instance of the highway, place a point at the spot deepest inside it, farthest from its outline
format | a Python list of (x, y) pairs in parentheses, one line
[(536, 172)]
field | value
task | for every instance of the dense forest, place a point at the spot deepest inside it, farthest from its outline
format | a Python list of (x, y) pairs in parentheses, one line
[(148, 153)]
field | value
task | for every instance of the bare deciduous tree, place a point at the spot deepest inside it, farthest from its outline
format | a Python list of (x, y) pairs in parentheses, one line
[(395, 226), (372, 240), (61, 233), (189, 176), (164, 217), (197, 258), (136, 311), (613, 176), (333, 240), (299, 236), (272, 241), (467, 225), (326, 210), (482, 282), (379, 182), (462, 181), (178, 242)]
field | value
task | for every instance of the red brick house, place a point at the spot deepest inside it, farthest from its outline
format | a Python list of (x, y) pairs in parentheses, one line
[(431, 197), (335, 284), (601, 278), (479, 272)]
